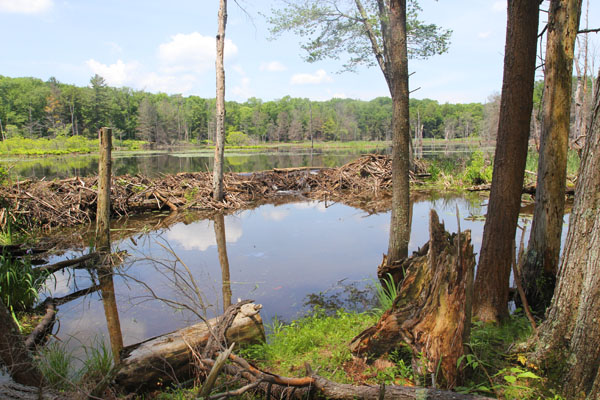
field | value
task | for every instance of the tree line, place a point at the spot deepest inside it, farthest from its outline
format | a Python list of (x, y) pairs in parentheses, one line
[(32, 108)]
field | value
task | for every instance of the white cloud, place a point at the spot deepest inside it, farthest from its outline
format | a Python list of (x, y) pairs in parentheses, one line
[(154, 82), (276, 214), (191, 52), (25, 6), (243, 90), (319, 76), (316, 205), (499, 6), (117, 74), (273, 66), (484, 35), (201, 235)]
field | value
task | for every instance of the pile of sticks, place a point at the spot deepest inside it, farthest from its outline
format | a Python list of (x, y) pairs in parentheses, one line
[(32, 204)]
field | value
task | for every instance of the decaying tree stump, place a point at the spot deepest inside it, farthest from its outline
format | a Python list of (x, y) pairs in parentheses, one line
[(433, 309), (167, 358)]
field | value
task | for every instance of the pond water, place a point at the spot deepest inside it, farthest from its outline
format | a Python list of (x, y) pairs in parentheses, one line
[(286, 257), (194, 160)]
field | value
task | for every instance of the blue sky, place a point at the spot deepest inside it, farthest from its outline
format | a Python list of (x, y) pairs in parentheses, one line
[(169, 46)]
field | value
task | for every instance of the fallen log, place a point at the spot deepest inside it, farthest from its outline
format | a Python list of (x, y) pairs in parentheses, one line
[(169, 358), (44, 328), (430, 313), (11, 390)]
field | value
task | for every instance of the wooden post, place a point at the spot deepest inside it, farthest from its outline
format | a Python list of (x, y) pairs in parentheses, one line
[(103, 205), (103, 244)]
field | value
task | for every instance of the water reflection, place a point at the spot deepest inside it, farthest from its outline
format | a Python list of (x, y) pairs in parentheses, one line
[(219, 220), (287, 257), (113, 324)]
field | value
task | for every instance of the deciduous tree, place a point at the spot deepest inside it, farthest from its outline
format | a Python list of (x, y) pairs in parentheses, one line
[(491, 285), (539, 269)]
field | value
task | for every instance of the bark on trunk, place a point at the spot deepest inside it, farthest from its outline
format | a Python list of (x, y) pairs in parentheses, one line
[(431, 312), (539, 270), (220, 113), (169, 358), (491, 285), (569, 340), (398, 73)]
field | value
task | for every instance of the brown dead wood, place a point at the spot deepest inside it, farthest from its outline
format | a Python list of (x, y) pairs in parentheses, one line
[(364, 183), (430, 313)]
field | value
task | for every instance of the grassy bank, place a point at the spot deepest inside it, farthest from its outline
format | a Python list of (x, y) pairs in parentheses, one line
[(19, 146)]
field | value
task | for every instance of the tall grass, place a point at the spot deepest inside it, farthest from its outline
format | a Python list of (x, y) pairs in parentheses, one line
[(19, 284)]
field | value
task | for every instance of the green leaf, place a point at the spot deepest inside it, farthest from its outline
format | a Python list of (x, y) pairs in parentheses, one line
[(510, 378), (528, 374)]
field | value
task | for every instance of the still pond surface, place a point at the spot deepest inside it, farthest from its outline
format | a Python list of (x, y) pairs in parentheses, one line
[(196, 160), (286, 257)]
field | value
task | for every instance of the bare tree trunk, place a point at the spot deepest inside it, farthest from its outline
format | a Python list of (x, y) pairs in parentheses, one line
[(398, 72), (569, 339), (220, 113), (539, 270), (491, 285)]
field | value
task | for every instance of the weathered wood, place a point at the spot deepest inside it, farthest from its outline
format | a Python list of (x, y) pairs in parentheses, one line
[(44, 328), (103, 203), (430, 313), (15, 391), (168, 358)]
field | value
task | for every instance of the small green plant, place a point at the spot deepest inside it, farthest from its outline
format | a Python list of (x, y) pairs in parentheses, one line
[(56, 364), (386, 294), (99, 361), (19, 283)]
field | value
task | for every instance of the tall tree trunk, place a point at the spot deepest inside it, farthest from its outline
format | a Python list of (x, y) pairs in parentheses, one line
[(491, 285), (220, 113), (398, 72), (539, 270), (569, 339)]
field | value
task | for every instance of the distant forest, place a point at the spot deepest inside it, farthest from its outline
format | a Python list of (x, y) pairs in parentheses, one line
[(32, 108)]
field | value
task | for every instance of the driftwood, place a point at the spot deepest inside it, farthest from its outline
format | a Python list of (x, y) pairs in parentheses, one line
[(364, 183), (430, 313), (527, 189), (44, 328), (167, 358), (14, 391)]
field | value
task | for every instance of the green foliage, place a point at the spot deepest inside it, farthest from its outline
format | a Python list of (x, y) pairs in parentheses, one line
[(19, 284), (386, 294), (99, 361), (237, 138), (335, 29), (478, 170), (56, 364), (317, 339), (489, 367)]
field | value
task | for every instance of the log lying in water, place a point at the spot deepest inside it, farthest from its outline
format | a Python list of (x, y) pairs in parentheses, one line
[(168, 358), (431, 313)]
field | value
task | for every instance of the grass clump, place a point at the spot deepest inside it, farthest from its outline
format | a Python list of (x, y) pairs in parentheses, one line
[(19, 284), (317, 338)]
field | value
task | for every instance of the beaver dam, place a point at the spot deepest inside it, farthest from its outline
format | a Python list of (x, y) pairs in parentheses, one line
[(364, 183)]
